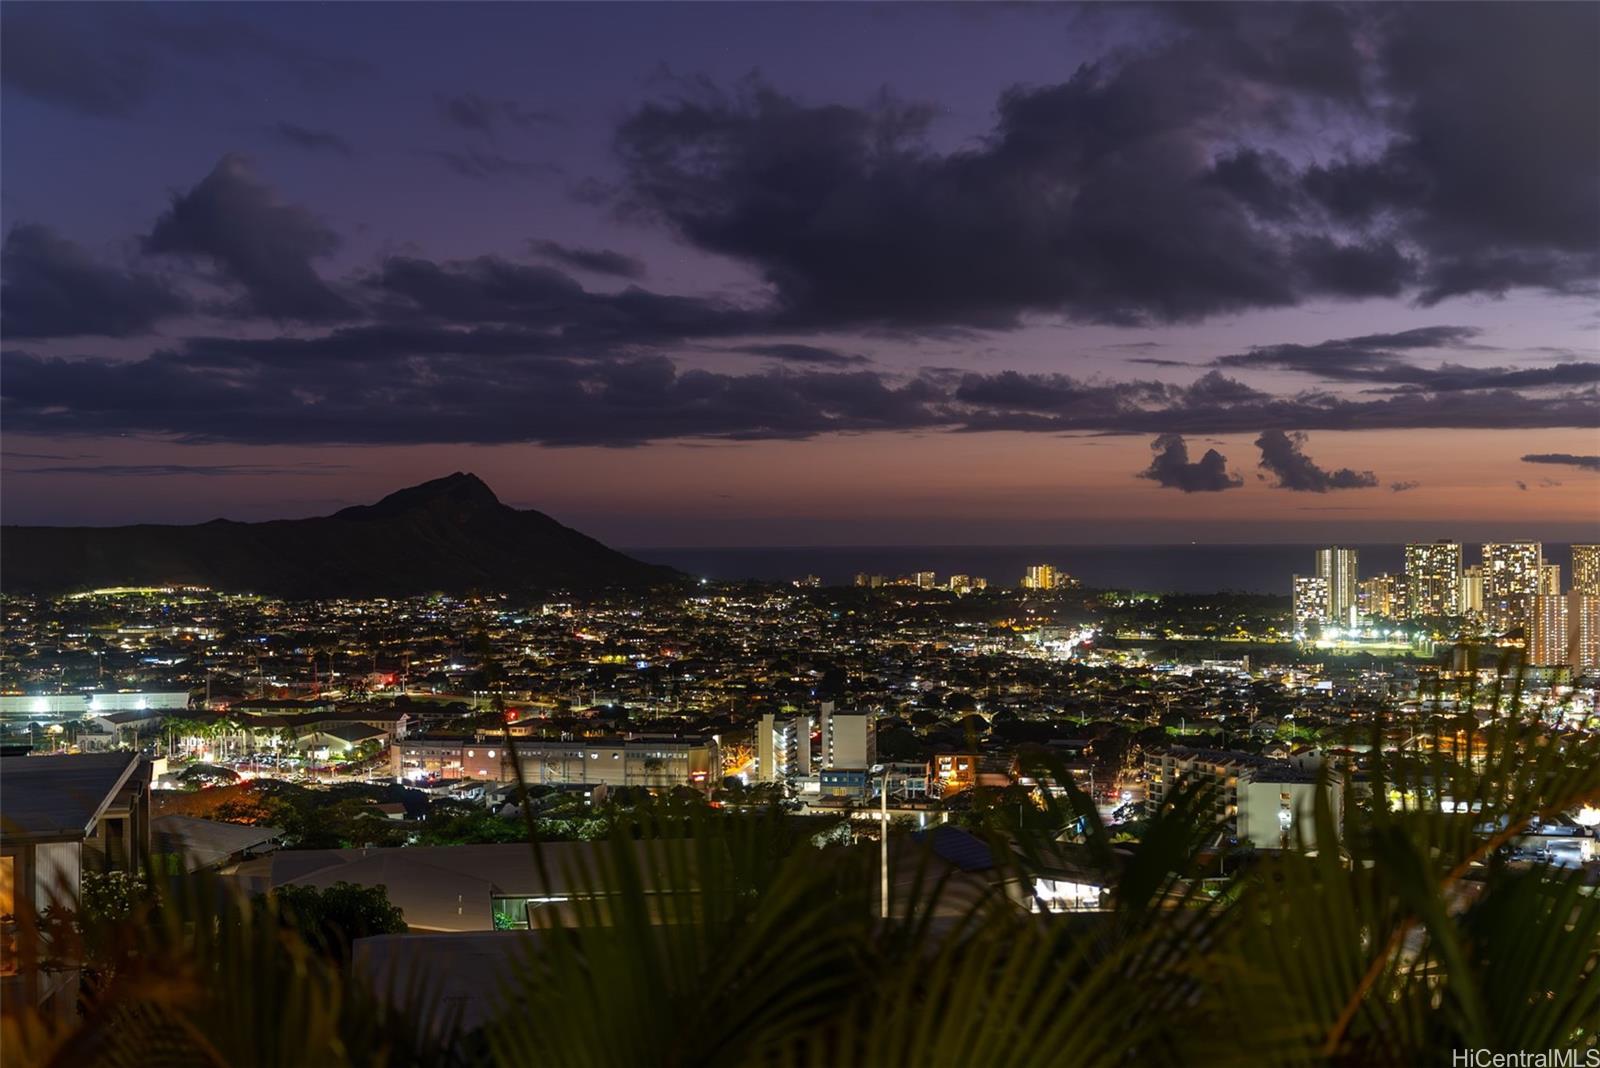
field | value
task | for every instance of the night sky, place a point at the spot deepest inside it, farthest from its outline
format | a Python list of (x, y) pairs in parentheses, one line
[(767, 274)]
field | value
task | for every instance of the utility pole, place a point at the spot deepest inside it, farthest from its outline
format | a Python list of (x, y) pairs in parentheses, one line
[(883, 852)]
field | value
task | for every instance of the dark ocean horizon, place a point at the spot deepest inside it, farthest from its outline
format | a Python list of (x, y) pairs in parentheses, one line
[(1152, 568)]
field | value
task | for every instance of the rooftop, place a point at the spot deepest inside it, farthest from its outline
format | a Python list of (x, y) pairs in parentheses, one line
[(59, 796)]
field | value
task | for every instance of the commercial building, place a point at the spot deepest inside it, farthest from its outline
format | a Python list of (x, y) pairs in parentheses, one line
[(640, 760), (1433, 579), (1339, 568), (1586, 569), (1583, 632), (1512, 574), (1042, 577), (78, 705), (1310, 602), (1545, 635)]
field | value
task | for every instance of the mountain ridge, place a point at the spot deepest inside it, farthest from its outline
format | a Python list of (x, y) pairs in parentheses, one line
[(446, 535)]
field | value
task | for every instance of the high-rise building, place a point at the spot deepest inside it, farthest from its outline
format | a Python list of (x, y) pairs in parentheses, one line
[(1583, 631), (959, 583), (1310, 601), (1586, 569), (1550, 579), (1338, 567), (849, 739), (1472, 591), (1382, 597), (1545, 634), (1433, 579), (783, 747), (1512, 572), (926, 580), (1040, 577)]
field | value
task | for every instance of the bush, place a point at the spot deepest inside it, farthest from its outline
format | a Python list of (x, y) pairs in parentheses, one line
[(332, 919)]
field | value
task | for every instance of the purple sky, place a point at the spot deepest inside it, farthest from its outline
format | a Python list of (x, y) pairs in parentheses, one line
[(789, 274)]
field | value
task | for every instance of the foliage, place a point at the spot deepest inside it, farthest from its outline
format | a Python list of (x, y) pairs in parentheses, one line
[(331, 919), (700, 935), (199, 776)]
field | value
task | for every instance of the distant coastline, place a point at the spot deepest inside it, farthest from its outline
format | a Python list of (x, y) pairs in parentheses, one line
[(1157, 568)]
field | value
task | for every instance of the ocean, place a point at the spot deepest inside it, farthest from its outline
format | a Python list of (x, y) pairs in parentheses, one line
[(1154, 568)]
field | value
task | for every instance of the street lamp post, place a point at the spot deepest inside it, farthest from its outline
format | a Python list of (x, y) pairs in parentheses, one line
[(883, 831)]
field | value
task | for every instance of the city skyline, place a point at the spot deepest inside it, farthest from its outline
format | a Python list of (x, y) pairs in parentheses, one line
[(1036, 275)]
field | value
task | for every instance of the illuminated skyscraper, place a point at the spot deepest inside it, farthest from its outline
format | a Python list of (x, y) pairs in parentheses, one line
[(1310, 601), (1586, 569), (1382, 597), (1550, 579), (1472, 591), (1040, 577), (1512, 572), (1338, 567), (1545, 634), (926, 580), (1433, 579), (1583, 631)]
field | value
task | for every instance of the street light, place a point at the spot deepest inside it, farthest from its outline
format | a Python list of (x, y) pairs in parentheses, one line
[(883, 851)]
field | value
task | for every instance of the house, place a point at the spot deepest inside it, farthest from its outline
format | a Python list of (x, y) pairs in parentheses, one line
[(340, 739), (63, 816), (461, 887), (188, 844)]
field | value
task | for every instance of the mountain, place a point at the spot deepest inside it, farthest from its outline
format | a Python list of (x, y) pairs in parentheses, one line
[(450, 535)]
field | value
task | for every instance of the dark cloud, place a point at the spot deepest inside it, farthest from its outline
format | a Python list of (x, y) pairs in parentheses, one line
[(493, 290), (309, 139), (479, 114), (1494, 197), (1081, 202), (107, 60), (256, 241), (53, 288), (50, 52), (1170, 467), (1141, 189), (556, 402), (593, 260), (434, 377), (1283, 454), (166, 470), (1404, 487), (1383, 358), (1588, 463), (812, 354)]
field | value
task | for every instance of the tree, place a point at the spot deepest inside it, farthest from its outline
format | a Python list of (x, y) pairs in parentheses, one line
[(333, 918), (200, 776)]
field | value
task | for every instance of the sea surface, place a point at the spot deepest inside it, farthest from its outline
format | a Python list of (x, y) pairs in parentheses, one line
[(1156, 568)]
